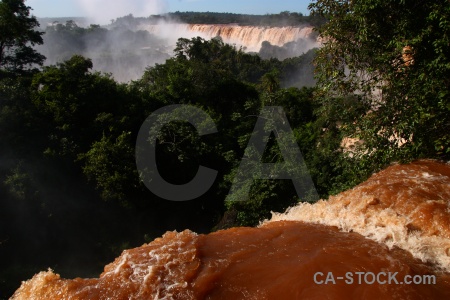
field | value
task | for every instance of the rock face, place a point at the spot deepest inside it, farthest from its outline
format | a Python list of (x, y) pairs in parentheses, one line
[(396, 223), (408, 56)]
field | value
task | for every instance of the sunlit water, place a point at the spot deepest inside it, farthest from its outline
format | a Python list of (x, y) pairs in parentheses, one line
[(396, 222)]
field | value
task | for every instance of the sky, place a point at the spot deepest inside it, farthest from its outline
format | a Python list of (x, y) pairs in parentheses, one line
[(103, 11)]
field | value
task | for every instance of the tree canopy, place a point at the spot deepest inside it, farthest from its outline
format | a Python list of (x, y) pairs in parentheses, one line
[(69, 134), (284, 18), (18, 35), (393, 59)]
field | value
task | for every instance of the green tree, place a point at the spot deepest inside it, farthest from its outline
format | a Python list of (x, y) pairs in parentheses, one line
[(277, 195), (270, 82), (91, 124), (75, 101), (110, 164), (394, 56), (18, 35)]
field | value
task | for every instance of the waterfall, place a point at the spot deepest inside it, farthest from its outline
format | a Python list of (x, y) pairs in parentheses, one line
[(249, 37)]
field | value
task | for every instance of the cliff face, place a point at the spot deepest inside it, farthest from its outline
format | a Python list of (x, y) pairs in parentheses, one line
[(250, 37)]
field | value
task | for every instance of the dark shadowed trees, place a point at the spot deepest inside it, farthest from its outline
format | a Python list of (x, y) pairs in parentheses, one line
[(18, 35)]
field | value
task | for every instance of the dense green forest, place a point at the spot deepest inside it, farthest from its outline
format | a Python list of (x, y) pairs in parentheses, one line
[(125, 51), (70, 194), (285, 18)]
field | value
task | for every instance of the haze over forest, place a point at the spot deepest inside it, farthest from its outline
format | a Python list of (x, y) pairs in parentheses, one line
[(70, 189), (77, 114), (128, 45)]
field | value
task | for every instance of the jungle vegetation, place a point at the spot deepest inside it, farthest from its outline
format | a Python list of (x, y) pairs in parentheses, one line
[(69, 187)]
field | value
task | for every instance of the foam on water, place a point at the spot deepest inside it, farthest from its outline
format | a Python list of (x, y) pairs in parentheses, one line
[(275, 261), (407, 206), (397, 221)]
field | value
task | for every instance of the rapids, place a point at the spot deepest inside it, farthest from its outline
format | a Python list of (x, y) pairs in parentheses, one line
[(406, 206), (396, 223)]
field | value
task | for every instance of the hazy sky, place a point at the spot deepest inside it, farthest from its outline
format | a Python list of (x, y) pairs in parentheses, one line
[(105, 10)]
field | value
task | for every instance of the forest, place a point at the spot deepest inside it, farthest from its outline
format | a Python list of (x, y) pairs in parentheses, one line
[(125, 50), (285, 18), (71, 197)]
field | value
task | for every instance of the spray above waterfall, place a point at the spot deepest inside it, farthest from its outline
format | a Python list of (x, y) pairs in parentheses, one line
[(127, 46), (249, 37), (102, 11)]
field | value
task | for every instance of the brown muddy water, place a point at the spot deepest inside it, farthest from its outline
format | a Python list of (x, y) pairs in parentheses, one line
[(388, 238)]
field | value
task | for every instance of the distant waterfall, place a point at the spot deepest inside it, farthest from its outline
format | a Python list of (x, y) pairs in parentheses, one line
[(250, 37)]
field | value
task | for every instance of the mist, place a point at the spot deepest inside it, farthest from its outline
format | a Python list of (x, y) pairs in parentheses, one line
[(128, 44), (103, 11)]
